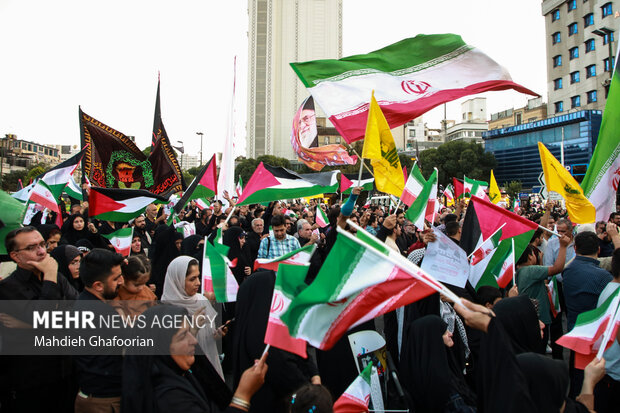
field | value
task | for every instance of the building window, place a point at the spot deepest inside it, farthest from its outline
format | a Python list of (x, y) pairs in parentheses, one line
[(557, 60), (575, 102), (606, 9), (556, 38), (590, 45), (338, 139), (559, 106), (326, 141), (572, 29), (572, 5), (574, 77), (518, 117), (573, 53), (588, 20), (607, 36), (590, 71), (591, 96), (555, 15), (606, 63), (412, 133), (557, 83)]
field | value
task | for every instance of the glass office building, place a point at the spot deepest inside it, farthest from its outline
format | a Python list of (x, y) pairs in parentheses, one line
[(516, 147)]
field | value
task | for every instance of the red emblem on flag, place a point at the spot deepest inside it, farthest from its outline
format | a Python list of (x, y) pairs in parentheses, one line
[(414, 86)]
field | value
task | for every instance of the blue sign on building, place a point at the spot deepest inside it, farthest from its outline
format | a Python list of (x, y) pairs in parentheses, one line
[(516, 147)]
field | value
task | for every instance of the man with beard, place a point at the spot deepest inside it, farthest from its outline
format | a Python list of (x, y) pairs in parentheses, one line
[(217, 211), (140, 230), (99, 376)]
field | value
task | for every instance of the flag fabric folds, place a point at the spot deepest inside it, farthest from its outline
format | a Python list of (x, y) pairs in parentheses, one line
[(425, 204), (158, 126), (13, 212), (121, 240), (298, 257), (472, 187), (272, 183), (73, 189), (380, 148), (120, 205), (350, 181), (410, 77), (413, 186), (458, 188), (558, 179), (554, 298), (290, 281), (602, 178), (494, 194), (203, 186), (217, 276), (42, 194), (320, 217), (356, 397)]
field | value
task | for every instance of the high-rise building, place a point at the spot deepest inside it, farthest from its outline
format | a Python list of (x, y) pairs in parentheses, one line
[(281, 32), (580, 38)]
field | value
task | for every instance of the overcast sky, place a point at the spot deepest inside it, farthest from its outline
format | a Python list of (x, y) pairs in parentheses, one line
[(105, 55)]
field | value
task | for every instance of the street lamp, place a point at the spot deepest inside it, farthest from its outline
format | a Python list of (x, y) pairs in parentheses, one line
[(602, 32), (200, 134)]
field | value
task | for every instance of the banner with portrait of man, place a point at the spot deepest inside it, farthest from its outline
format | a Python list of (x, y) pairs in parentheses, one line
[(305, 141)]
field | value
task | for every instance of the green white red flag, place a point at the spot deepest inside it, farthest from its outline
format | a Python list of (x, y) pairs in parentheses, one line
[(472, 187), (41, 194), (320, 217), (121, 240), (120, 205), (487, 247), (290, 281), (449, 193), (217, 276), (425, 202), (409, 78), (413, 186), (594, 331), (298, 257), (356, 397)]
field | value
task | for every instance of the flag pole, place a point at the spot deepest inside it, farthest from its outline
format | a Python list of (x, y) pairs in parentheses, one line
[(514, 266), (550, 231)]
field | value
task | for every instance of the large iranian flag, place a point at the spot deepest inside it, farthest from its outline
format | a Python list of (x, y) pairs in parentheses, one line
[(298, 257), (120, 205), (356, 397), (272, 183), (409, 78), (602, 179), (361, 279)]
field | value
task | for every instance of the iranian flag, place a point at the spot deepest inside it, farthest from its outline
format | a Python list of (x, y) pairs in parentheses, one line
[(413, 186), (121, 240), (320, 217), (425, 204), (73, 189), (356, 397), (409, 78), (239, 188), (487, 247), (216, 274), (554, 298), (298, 257), (272, 183), (290, 281), (203, 186), (471, 187), (41, 194), (202, 204), (449, 194), (497, 267), (361, 279), (350, 181), (602, 179), (594, 331), (120, 205)]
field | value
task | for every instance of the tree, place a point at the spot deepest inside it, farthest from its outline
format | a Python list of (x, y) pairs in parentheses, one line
[(10, 180), (455, 159), (513, 188), (193, 170)]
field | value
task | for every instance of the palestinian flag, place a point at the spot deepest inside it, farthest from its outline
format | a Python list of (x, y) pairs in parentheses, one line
[(57, 178), (272, 183), (425, 204), (120, 205), (290, 281), (320, 217), (121, 240), (350, 181), (73, 189), (554, 299), (298, 257), (413, 186), (409, 78), (593, 331), (216, 274), (471, 187), (357, 396), (360, 280), (458, 188), (203, 186), (24, 193)]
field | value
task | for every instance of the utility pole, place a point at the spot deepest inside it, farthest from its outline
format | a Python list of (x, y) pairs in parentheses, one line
[(200, 134)]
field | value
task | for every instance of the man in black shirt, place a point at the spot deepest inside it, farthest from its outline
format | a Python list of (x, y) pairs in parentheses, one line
[(35, 383), (99, 376)]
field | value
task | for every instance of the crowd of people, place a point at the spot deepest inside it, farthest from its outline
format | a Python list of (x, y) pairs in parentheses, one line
[(496, 352)]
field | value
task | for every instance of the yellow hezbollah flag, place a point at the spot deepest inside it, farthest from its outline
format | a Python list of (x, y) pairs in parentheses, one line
[(558, 179), (379, 147), (494, 195)]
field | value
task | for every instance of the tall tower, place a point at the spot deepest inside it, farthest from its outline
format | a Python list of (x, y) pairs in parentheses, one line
[(281, 32)]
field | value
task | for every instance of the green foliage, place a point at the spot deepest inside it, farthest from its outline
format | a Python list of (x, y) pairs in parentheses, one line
[(10, 180), (513, 188), (193, 171), (405, 160), (147, 151), (188, 177), (457, 158), (36, 171), (274, 161)]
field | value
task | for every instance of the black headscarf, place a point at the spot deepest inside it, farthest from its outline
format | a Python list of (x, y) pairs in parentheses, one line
[(547, 381), (45, 230), (162, 254), (190, 246), (63, 255), (520, 321), (145, 377), (70, 235), (241, 254)]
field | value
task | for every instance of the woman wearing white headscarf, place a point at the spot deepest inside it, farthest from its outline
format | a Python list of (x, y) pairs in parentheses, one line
[(181, 287)]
